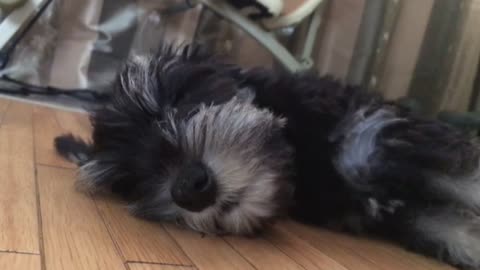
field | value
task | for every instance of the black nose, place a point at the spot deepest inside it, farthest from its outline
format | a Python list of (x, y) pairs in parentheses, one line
[(194, 189)]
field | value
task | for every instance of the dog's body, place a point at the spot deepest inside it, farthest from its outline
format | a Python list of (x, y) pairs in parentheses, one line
[(219, 149)]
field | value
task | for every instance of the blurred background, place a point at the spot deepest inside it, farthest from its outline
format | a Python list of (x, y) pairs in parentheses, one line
[(425, 53)]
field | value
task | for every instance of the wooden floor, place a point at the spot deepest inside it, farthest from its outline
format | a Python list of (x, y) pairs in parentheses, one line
[(46, 224)]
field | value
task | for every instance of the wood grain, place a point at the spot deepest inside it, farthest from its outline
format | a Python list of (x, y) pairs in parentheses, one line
[(18, 205), (437, 55), (13, 261), (337, 252), (381, 254), (77, 232), (74, 235), (143, 266), (385, 254), (464, 70), (4, 103), (405, 45), (139, 240), (262, 254), (18, 115), (45, 129), (75, 123), (208, 252), (302, 252)]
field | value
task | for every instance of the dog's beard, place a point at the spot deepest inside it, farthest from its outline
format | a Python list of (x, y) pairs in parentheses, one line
[(245, 150), (232, 140)]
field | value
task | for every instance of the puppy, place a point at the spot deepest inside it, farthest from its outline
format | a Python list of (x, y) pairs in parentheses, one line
[(189, 139)]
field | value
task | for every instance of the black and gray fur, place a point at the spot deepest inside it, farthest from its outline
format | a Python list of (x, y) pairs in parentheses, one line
[(261, 144)]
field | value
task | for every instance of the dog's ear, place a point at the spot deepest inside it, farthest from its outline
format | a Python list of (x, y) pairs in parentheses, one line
[(136, 85)]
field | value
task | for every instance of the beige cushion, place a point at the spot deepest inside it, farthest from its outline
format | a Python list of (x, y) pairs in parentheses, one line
[(294, 12)]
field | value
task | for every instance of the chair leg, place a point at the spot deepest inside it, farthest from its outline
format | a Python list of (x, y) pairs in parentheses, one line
[(266, 39), (315, 22), (198, 27)]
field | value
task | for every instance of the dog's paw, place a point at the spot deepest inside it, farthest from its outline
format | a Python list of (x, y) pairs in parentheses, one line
[(72, 148)]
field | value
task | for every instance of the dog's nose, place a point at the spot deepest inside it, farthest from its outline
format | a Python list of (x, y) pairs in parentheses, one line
[(195, 188)]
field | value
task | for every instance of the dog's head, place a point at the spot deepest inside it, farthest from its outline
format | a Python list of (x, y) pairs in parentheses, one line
[(184, 140)]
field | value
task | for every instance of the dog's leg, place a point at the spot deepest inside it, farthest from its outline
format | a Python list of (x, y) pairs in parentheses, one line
[(384, 152), (73, 149), (93, 172), (447, 234)]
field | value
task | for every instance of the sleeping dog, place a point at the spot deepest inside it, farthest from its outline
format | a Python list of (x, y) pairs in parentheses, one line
[(219, 149)]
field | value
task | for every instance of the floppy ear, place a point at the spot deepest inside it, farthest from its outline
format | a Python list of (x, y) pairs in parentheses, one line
[(147, 84), (136, 88)]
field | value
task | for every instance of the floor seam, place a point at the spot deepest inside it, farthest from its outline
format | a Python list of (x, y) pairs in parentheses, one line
[(41, 245), (239, 253), (158, 263), (19, 252), (178, 245), (107, 227), (53, 166)]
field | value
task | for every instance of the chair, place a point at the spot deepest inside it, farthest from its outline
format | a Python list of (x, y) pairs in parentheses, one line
[(19, 14), (294, 12)]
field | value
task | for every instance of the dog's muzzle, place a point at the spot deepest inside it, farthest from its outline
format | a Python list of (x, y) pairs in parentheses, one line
[(195, 189)]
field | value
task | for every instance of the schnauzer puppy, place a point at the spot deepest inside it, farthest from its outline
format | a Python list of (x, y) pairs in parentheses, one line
[(219, 149)]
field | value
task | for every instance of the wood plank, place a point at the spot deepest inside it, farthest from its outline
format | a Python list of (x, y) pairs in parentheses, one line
[(347, 258), (45, 129), (17, 122), (384, 255), (4, 103), (300, 251), (18, 115), (139, 240), (335, 52), (12, 261), (208, 252), (436, 57), (368, 39), (18, 204), (406, 41), (383, 43), (465, 67), (75, 236), (143, 266), (262, 254)]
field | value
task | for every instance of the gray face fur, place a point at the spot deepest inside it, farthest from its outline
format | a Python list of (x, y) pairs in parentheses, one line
[(243, 148)]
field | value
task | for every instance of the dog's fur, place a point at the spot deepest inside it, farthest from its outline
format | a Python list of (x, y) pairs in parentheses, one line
[(325, 153)]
